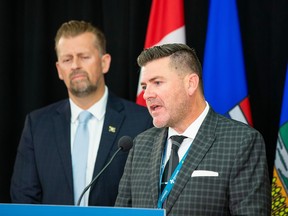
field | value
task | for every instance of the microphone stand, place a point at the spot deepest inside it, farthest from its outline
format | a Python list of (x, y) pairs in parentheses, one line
[(96, 177)]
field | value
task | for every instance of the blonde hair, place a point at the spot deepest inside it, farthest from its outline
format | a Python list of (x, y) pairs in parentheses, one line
[(74, 28)]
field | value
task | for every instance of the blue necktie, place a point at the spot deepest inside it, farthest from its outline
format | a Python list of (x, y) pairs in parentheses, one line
[(80, 154)]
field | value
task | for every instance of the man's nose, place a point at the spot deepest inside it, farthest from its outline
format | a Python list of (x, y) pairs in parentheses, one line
[(148, 93), (76, 63)]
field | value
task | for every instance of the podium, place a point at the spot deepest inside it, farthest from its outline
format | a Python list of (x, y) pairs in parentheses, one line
[(61, 210)]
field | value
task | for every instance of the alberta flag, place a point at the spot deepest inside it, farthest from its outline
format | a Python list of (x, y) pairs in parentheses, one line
[(223, 65), (166, 25), (280, 172)]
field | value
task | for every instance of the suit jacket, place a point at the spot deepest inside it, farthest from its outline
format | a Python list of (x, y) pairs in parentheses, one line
[(232, 150), (43, 167)]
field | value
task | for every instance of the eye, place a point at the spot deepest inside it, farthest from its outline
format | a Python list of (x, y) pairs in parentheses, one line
[(85, 57), (157, 83), (144, 87), (66, 60)]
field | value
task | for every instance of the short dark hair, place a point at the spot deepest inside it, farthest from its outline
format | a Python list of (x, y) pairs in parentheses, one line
[(181, 56), (74, 28)]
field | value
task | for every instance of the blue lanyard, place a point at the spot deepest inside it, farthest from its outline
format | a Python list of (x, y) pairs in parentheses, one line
[(171, 182)]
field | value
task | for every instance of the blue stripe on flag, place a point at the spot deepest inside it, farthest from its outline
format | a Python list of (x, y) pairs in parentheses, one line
[(223, 69), (284, 109)]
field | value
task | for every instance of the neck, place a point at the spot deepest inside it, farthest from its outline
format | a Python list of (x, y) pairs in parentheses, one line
[(87, 101)]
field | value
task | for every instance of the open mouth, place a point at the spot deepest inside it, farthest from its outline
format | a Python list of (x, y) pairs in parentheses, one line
[(155, 107)]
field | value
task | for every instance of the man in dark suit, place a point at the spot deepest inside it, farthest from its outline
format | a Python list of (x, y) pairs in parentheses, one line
[(43, 171), (222, 167)]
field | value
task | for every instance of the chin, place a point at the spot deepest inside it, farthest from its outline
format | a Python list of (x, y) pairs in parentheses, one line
[(159, 124)]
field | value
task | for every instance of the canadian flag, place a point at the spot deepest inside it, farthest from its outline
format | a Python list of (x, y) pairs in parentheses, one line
[(166, 25)]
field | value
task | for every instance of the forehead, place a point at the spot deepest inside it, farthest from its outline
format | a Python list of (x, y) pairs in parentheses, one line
[(157, 67), (80, 43)]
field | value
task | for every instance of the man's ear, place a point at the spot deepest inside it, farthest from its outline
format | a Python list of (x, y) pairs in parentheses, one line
[(193, 82), (105, 60), (59, 71)]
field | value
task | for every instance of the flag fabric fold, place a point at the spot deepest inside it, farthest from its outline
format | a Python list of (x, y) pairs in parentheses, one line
[(223, 69), (280, 171), (166, 25)]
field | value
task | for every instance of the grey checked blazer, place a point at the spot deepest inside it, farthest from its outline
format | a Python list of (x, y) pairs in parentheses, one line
[(233, 150)]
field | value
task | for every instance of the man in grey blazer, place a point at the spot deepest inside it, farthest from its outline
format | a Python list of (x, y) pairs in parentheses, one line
[(222, 168), (43, 171)]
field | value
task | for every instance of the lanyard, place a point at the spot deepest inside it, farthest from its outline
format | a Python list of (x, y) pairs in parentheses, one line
[(170, 183)]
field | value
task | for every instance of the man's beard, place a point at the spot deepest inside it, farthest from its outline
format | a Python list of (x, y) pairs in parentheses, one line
[(83, 87)]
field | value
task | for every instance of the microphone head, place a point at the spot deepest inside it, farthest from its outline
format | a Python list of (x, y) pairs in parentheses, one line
[(125, 143)]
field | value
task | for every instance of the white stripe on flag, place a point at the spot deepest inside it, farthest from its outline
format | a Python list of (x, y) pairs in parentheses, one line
[(237, 114), (176, 36), (163, 29)]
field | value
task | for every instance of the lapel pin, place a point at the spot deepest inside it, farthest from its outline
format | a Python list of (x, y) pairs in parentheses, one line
[(112, 129)]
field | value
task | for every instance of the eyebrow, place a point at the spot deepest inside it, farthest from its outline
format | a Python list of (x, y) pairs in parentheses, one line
[(152, 79)]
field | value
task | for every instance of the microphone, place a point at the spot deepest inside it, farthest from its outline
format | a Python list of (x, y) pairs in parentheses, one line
[(125, 143)]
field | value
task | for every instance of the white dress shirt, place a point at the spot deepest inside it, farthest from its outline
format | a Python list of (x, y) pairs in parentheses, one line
[(95, 126), (190, 133)]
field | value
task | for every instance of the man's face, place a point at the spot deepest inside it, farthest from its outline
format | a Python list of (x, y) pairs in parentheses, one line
[(80, 64), (165, 93)]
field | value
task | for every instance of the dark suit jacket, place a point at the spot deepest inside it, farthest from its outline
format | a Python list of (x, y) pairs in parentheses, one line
[(43, 170), (232, 149)]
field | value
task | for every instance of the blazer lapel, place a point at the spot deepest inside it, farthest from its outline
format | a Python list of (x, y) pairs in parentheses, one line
[(61, 123), (201, 144), (112, 123), (156, 158)]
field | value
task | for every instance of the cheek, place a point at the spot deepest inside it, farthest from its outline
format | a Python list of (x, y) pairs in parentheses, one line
[(95, 77), (61, 73), (170, 102), (173, 96), (176, 99), (64, 77)]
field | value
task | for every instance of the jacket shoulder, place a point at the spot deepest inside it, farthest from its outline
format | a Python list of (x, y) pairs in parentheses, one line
[(123, 105), (51, 108)]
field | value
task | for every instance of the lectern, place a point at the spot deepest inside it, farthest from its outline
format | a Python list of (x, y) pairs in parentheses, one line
[(55, 210)]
